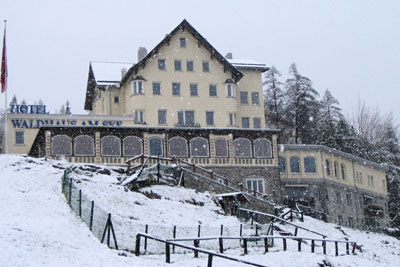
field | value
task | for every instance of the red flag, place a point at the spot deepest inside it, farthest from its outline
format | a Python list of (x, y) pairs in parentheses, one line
[(4, 66)]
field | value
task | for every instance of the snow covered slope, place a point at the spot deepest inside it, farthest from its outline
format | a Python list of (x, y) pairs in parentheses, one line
[(37, 227)]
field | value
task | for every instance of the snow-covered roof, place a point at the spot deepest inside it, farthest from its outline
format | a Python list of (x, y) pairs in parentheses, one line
[(248, 64), (106, 72)]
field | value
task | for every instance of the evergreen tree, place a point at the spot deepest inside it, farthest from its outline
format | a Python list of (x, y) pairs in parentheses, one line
[(301, 106), (273, 98), (68, 108)]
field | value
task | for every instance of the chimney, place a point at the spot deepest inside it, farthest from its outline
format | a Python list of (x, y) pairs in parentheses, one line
[(228, 56), (142, 52), (123, 72)]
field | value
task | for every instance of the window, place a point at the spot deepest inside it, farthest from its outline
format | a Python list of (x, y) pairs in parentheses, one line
[(156, 88), (348, 200), (328, 167), (137, 87), (338, 197), (370, 180), (186, 117), (336, 169), (182, 42), (359, 178), (242, 147), (213, 89), (156, 146), (138, 116), (255, 185), (116, 99), (209, 118), (19, 137), (199, 147), (221, 148), (254, 98), (61, 145), (257, 123), (384, 183), (294, 165), (231, 90), (189, 65), (194, 91), (110, 146), (309, 165), (161, 64), (262, 148), (343, 171), (176, 89), (244, 98), (84, 145), (232, 119), (132, 146), (282, 164), (178, 147), (206, 66), (162, 117), (245, 122), (178, 65)]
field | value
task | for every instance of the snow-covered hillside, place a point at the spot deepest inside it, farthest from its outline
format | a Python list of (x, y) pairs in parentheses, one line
[(37, 227)]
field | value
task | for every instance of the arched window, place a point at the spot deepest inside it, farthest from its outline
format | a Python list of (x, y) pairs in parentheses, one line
[(221, 148), (242, 147), (335, 165), (309, 165), (84, 146), (156, 146), (178, 147), (282, 164), (110, 146), (199, 147), (262, 148), (294, 165), (61, 145), (132, 146), (343, 171), (328, 167)]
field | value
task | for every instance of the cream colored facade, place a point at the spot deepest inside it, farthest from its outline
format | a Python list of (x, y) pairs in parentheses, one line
[(227, 110)]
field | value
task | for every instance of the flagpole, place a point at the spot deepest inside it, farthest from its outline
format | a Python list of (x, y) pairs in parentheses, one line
[(5, 101)]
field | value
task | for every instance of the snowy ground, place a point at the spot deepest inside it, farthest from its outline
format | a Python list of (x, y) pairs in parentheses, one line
[(37, 227)]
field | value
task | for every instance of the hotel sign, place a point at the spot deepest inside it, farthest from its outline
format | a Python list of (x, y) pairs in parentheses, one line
[(37, 123), (33, 109)]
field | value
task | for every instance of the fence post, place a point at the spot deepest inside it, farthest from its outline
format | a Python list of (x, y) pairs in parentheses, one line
[(211, 175), (312, 246), (241, 230), (266, 245), (336, 249), (80, 203), (302, 216), (256, 229), (196, 245), (324, 246), (354, 248), (198, 232), (245, 246), (70, 192), (167, 253), (146, 230), (221, 245), (158, 169), (137, 247), (209, 262), (91, 216), (128, 168), (347, 248), (295, 231), (291, 215), (113, 233), (299, 244), (272, 233), (222, 229), (284, 244), (173, 236)]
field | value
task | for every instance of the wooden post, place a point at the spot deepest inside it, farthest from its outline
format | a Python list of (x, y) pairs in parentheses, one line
[(222, 229), (158, 169), (142, 159), (284, 244), (209, 262), (167, 253), (324, 247), (113, 233), (137, 247), (108, 229), (295, 231), (128, 168), (221, 245), (272, 233), (291, 215), (252, 218), (299, 244), (198, 233), (302, 216), (245, 246), (347, 248), (146, 230), (241, 230), (196, 245), (266, 245), (241, 187), (312, 246), (336, 249), (354, 248), (256, 229), (91, 216), (173, 236), (211, 175), (70, 192), (80, 203)]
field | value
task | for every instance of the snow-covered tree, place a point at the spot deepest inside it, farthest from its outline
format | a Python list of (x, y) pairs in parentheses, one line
[(273, 98), (301, 106), (68, 108)]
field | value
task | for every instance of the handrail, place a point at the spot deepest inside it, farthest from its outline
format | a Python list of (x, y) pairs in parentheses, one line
[(211, 254), (282, 220)]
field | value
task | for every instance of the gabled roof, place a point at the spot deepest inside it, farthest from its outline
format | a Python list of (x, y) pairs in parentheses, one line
[(185, 25)]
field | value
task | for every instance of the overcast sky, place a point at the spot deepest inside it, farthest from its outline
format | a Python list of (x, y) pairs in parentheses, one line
[(350, 47)]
